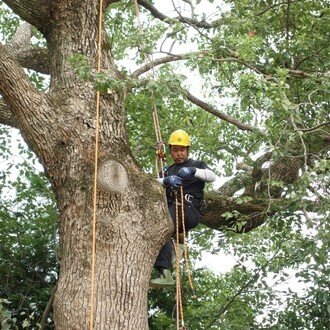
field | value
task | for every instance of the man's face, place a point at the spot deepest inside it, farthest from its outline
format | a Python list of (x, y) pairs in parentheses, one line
[(179, 154)]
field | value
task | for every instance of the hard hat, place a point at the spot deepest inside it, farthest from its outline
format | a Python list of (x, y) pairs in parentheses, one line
[(179, 138)]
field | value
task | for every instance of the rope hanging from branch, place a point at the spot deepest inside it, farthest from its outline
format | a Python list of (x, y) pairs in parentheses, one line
[(179, 305), (160, 146)]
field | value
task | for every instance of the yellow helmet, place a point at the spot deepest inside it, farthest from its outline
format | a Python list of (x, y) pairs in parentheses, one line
[(179, 138)]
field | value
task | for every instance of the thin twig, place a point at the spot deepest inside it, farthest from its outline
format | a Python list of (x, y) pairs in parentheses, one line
[(313, 128), (271, 7), (302, 141), (43, 322)]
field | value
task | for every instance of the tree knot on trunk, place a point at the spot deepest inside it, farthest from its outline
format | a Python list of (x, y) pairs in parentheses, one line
[(112, 177)]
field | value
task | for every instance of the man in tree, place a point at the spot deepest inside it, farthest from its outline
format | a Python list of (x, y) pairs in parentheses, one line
[(191, 175)]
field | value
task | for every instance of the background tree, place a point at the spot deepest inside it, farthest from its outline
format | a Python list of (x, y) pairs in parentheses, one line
[(29, 235), (264, 78)]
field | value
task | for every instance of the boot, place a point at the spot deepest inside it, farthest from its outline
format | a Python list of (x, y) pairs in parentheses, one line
[(180, 253), (165, 279)]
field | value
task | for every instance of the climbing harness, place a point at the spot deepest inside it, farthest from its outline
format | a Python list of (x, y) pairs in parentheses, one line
[(160, 145), (97, 116)]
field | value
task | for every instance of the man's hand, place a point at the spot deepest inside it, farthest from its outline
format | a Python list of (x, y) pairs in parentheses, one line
[(173, 181), (186, 172)]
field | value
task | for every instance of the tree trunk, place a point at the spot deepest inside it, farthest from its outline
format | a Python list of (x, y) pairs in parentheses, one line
[(131, 223), (130, 229)]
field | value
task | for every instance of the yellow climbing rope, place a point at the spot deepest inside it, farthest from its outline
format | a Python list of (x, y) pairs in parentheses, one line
[(185, 247), (179, 306), (160, 146), (97, 116)]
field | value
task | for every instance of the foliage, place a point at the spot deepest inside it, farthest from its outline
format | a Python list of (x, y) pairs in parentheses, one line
[(28, 232), (9, 23)]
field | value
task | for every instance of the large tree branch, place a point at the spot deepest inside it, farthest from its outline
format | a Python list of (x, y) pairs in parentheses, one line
[(225, 212), (263, 192), (185, 56), (6, 115), (33, 58), (261, 198), (234, 58), (36, 12), (18, 92), (36, 59), (19, 48), (21, 39), (159, 61), (191, 21)]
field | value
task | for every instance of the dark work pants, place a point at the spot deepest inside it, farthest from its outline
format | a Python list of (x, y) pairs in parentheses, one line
[(192, 217)]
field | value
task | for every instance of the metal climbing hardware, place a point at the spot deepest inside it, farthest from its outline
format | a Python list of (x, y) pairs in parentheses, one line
[(160, 150), (188, 198)]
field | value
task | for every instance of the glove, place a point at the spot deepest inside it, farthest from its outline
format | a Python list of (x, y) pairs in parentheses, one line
[(187, 172), (173, 181)]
